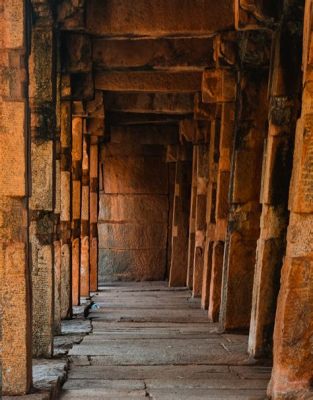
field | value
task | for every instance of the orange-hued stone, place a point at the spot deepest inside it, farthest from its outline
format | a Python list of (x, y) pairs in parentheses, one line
[(76, 271), (157, 53), (219, 85), (179, 256), (216, 281), (12, 148), (142, 81), (93, 264), (16, 343), (84, 267), (133, 207), (158, 17), (207, 270), (292, 370)]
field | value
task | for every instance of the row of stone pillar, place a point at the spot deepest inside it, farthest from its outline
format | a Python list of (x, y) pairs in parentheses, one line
[(48, 195), (238, 189)]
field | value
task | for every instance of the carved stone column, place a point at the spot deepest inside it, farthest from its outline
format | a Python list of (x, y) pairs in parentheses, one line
[(292, 369), (66, 208), (15, 273), (42, 81), (284, 108)]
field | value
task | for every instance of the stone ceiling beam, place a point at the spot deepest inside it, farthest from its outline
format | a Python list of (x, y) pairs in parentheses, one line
[(149, 53), (158, 17), (168, 103), (120, 118), (161, 81)]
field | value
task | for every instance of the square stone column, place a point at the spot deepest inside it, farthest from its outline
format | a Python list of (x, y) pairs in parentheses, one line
[(244, 218), (66, 207), (284, 109), (180, 227), (77, 155), (42, 82), (15, 273), (85, 223), (192, 219), (222, 208), (200, 217), (292, 350), (94, 198)]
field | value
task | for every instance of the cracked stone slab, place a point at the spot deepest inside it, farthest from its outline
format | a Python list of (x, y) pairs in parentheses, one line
[(47, 373), (100, 394), (160, 347), (63, 343), (72, 326)]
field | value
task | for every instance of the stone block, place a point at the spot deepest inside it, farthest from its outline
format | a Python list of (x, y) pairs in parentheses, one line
[(42, 294), (168, 103), (133, 208), (155, 81), (292, 370), (12, 148), (42, 175), (301, 195), (137, 265), (216, 281), (158, 18), (132, 236), (75, 272), (236, 303), (84, 267), (145, 135), (12, 29), (219, 86), (135, 175), (15, 354), (156, 53), (65, 214), (246, 176), (65, 281), (76, 52)]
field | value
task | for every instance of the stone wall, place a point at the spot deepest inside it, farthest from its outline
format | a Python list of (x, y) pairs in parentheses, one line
[(133, 214)]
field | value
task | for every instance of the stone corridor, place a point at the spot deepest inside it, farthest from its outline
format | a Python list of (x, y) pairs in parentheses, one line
[(153, 342), (156, 141)]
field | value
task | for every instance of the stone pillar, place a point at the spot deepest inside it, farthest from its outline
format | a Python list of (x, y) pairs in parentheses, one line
[(84, 232), (15, 284), (77, 155), (65, 213), (244, 219), (95, 127), (192, 219), (284, 109), (57, 211), (42, 83), (171, 195), (221, 208), (293, 358), (94, 198), (202, 169), (213, 157), (180, 227)]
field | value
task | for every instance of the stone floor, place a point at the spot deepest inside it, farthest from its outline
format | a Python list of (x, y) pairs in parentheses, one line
[(149, 341)]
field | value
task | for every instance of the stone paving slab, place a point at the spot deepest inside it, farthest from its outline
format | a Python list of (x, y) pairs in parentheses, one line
[(76, 326), (154, 352), (47, 373), (158, 315), (143, 372), (151, 342)]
